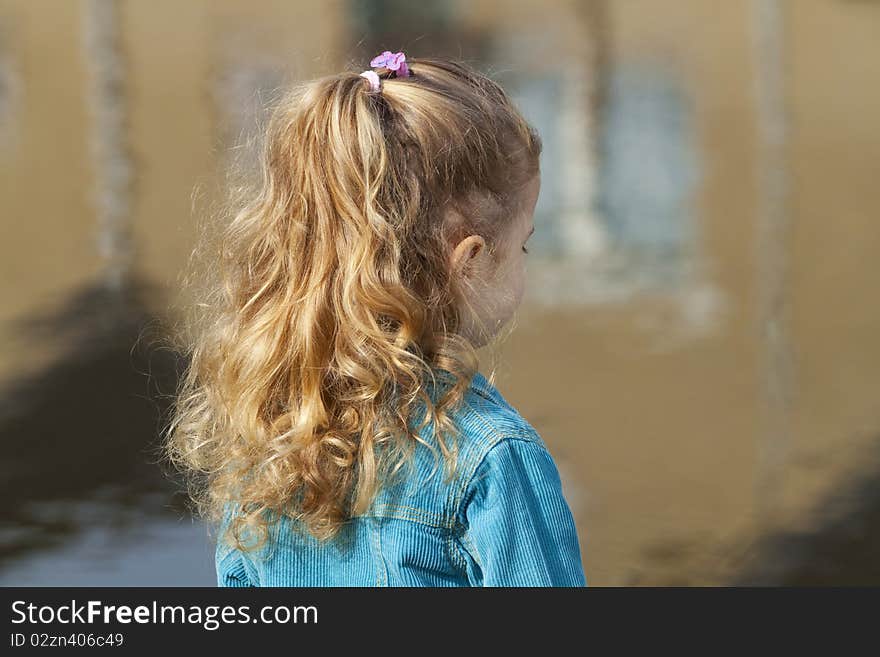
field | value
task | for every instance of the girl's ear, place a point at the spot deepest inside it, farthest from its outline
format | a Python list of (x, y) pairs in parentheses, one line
[(467, 255)]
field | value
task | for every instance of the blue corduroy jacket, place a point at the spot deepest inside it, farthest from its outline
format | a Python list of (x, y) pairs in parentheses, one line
[(502, 521)]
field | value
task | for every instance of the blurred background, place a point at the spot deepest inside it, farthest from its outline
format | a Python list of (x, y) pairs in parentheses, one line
[(698, 345)]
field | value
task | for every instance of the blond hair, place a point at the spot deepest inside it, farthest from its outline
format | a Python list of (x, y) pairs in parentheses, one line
[(329, 311)]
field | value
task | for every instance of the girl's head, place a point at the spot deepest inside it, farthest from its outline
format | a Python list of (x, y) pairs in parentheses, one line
[(438, 168), (383, 243), (496, 278)]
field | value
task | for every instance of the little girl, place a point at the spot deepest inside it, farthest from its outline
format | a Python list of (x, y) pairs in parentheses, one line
[(332, 419)]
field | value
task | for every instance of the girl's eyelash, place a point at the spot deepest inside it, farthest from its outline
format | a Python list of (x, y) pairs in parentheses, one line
[(525, 250)]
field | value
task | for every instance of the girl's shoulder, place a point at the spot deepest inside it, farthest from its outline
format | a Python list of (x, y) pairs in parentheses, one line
[(487, 424), (494, 435), (490, 418)]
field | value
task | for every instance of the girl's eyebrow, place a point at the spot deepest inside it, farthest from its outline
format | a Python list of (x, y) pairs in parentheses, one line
[(531, 231)]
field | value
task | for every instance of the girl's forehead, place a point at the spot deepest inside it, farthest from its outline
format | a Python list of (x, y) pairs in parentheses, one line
[(531, 190), (530, 194)]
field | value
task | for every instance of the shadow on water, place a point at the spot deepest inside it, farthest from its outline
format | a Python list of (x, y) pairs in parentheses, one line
[(838, 546), (841, 547), (86, 428)]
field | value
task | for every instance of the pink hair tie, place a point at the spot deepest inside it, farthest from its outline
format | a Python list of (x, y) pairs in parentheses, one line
[(393, 61), (373, 77)]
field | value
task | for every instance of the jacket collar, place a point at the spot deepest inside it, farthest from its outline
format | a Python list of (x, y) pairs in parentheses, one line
[(481, 386)]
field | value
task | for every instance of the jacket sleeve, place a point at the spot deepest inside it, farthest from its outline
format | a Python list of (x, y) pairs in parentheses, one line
[(519, 529), (230, 568), (228, 561)]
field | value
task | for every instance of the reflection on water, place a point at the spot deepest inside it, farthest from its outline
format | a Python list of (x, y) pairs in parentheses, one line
[(80, 437), (115, 543), (649, 137)]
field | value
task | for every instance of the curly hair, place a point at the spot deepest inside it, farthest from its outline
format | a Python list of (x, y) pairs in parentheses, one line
[(327, 315)]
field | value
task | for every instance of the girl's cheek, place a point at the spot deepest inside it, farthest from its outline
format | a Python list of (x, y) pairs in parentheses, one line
[(520, 288)]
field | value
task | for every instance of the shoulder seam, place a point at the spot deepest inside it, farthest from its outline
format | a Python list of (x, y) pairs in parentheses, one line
[(500, 434), (531, 437)]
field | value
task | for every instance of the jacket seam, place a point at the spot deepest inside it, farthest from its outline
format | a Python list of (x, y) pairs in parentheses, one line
[(458, 559), (453, 490), (381, 567), (468, 545), (413, 514), (466, 481), (503, 433), (497, 436)]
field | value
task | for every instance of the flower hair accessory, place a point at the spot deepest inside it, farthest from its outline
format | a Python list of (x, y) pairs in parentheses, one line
[(393, 61)]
